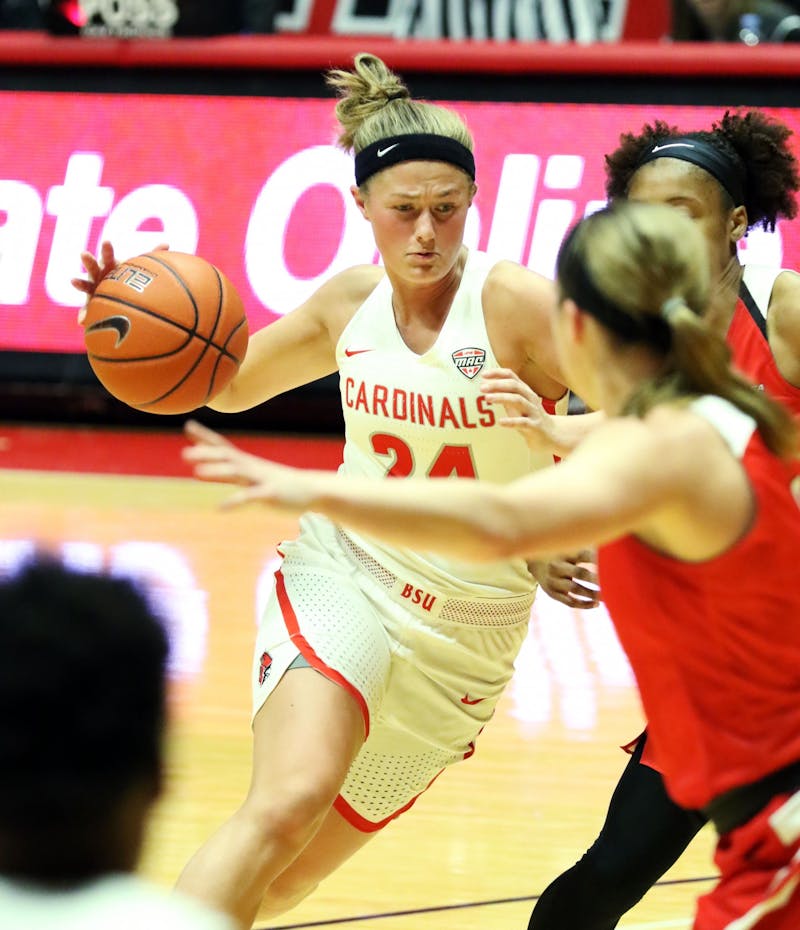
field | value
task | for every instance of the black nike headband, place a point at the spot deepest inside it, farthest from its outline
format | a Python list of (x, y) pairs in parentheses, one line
[(706, 156), (417, 146)]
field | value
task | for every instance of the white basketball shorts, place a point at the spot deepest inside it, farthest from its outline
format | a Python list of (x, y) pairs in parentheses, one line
[(426, 685)]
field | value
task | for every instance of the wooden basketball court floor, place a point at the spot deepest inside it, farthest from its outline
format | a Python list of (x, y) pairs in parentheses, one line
[(476, 850)]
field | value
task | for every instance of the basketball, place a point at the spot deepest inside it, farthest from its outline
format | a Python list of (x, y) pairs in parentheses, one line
[(165, 332)]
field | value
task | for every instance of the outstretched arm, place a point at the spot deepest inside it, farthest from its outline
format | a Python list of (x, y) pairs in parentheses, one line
[(590, 498)]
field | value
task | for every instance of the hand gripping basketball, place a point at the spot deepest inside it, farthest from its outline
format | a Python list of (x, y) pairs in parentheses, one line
[(165, 332)]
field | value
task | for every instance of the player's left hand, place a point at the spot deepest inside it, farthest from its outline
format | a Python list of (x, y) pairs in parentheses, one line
[(571, 580)]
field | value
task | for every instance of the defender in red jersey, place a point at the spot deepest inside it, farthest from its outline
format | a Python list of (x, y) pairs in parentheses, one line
[(686, 489), (738, 174)]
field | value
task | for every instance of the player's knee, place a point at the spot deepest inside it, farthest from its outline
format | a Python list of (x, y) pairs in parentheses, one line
[(290, 815), (613, 881), (598, 868)]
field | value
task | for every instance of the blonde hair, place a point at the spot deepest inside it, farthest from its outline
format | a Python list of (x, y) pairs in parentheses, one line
[(649, 262), (375, 104)]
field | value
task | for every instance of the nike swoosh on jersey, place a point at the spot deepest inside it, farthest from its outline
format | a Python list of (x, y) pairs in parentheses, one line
[(381, 152), (468, 700), (351, 352)]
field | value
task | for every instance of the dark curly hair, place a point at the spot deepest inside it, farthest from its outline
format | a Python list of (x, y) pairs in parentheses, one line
[(82, 710), (756, 143)]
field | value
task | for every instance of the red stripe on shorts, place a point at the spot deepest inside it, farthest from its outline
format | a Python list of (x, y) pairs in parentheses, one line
[(293, 626), (369, 826), (361, 823)]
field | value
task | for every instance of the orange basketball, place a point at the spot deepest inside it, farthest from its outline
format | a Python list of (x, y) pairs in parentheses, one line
[(165, 332)]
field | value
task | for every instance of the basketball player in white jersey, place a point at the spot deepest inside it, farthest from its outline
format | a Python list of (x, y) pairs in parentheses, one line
[(376, 667)]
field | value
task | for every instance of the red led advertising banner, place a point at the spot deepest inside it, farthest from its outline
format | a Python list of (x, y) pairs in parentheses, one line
[(258, 187)]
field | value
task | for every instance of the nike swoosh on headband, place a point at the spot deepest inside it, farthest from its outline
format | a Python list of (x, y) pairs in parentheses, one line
[(673, 145), (381, 152)]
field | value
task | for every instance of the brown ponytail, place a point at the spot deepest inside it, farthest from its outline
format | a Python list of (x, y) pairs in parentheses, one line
[(700, 364)]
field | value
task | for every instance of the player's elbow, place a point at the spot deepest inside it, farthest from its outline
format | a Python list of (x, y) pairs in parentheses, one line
[(225, 405), (505, 544), (232, 400)]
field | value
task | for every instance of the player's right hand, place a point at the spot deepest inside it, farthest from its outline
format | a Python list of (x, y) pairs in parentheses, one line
[(97, 268)]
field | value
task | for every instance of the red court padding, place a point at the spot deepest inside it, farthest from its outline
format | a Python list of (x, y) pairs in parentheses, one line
[(320, 52), (118, 452)]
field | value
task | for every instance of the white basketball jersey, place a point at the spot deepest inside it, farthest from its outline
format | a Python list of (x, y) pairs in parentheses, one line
[(760, 280), (424, 416)]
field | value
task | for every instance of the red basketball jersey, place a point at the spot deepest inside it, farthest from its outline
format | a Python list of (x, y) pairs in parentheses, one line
[(715, 646), (752, 356)]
